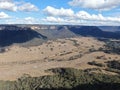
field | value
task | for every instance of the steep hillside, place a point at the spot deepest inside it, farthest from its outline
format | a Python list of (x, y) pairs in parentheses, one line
[(58, 32), (94, 32), (30, 35), (13, 34)]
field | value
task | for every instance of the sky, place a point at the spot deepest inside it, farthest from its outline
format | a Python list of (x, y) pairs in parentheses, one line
[(63, 12)]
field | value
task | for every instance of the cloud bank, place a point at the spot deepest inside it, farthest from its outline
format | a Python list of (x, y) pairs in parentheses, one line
[(68, 16), (96, 4), (11, 5), (58, 12)]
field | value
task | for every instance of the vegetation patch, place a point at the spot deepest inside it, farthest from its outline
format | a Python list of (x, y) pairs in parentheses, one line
[(111, 47), (64, 79), (96, 64), (114, 64)]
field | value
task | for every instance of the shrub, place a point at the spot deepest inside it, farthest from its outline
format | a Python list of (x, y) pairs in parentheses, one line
[(96, 64), (114, 64)]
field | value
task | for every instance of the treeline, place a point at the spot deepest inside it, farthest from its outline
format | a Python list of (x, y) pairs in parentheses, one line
[(110, 46), (64, 79)]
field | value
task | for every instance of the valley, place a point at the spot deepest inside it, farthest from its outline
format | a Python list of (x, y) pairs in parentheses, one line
[(70, 52), (30, 53)]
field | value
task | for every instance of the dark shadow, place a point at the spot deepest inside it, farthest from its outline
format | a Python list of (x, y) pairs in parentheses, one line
[(12, 34), (102, 86), (94, 31)]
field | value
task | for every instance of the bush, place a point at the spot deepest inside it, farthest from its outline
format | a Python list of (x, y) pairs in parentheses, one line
[(114, 64), (96, 64)]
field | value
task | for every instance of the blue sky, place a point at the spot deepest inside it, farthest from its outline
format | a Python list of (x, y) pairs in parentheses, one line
[(75, 12)]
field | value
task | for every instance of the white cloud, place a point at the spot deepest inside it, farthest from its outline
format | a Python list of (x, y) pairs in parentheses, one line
[(15, 6), (96, 4), (30, 20), (86, 16), (54, 20), (81, 17), (93, 17), (61, 20), (4, 15), (8, 6), (26, 20), (68, 21), (28, 7), (58, 12)]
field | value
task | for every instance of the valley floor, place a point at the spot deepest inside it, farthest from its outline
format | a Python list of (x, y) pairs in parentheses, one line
[(70, 52)]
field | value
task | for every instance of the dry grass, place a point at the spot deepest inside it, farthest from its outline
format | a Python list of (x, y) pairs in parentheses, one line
[(17, 60)]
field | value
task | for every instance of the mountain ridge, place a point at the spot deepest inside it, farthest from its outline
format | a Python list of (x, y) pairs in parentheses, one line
[(37, 34)]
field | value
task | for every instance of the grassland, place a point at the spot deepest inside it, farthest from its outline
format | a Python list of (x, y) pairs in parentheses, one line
[(79, 63)]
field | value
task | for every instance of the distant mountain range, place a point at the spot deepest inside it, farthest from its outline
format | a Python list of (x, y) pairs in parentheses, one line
[(37, 34), (94, 32), (110, 28)]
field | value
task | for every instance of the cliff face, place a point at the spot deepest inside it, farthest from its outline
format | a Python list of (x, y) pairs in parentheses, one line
[(37, 34), (13, 34)]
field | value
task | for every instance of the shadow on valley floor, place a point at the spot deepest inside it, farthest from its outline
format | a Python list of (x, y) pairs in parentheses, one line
[(94, 32), (14, 34), (102, 86)]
